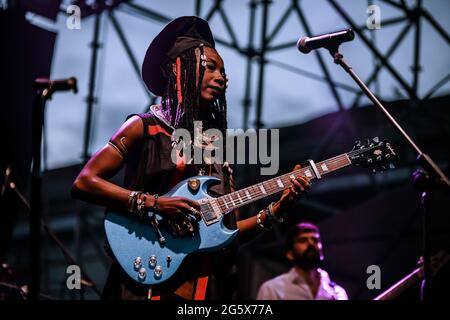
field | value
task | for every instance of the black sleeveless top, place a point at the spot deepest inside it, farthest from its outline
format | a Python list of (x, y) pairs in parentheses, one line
[(151, 169)]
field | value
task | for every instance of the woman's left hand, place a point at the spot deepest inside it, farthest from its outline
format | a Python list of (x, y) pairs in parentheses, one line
[(290, 195)]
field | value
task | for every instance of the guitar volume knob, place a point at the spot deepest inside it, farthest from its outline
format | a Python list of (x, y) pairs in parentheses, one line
[(142, 273), (152, 261), (137, 262), (158, 272)]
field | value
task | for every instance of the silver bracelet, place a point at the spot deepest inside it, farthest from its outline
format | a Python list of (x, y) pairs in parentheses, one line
[(132, 201), (273, 215)]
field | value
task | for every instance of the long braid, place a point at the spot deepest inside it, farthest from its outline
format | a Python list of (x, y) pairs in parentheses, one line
[(169, 99), (191, 93)]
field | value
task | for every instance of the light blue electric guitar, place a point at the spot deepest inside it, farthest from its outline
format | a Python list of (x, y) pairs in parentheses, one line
[(150, 250)]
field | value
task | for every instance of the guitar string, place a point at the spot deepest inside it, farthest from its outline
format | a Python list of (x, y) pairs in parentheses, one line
[(272, 187), (331, 162)]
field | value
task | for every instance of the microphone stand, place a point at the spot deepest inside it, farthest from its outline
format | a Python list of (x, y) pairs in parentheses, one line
[(41, 97), (427, 180), (38, 116), (9, 184)]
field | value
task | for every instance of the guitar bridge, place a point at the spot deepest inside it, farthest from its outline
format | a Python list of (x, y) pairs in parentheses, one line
[(210, 211)]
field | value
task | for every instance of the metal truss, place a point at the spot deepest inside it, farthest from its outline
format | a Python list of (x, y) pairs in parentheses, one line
[(257, 53)]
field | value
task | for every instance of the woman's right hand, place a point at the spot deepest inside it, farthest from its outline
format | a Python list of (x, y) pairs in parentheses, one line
[(180, 212), (175, 208)]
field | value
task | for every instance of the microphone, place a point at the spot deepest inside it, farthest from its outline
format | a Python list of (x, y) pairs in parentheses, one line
[(56, 85), (305, 44)]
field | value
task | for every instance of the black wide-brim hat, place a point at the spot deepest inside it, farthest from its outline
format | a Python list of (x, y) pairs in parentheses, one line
[(178, 36)]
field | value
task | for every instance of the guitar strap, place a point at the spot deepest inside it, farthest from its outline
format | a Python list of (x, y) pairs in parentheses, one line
[(179, 170)]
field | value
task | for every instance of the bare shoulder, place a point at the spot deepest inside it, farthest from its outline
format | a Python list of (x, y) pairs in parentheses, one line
[(129, 135), (133, 127)]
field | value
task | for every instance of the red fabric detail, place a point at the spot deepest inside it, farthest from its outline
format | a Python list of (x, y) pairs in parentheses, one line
[(155, 129), (179, 94), (200, 290)]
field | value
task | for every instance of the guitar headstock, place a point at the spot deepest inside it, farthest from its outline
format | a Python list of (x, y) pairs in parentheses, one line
[(374, 154)]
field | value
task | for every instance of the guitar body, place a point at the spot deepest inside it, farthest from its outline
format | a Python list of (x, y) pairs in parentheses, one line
[(130, 237)]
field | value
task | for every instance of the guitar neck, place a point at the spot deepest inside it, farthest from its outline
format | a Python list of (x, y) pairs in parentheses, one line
[(264, 189), (437, 262), (395, 290)]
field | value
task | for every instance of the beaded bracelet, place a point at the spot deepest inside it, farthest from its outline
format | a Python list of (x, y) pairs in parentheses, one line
[(131, 204), (141, 203), (136, 203), (260, 223)]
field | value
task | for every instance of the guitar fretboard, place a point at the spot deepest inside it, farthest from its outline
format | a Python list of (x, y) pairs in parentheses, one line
[(260, 190)]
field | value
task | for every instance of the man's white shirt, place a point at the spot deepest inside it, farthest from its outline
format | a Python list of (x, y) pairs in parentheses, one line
[(292, 286)]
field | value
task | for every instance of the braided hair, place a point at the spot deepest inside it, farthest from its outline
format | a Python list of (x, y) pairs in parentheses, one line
[(181, 99)]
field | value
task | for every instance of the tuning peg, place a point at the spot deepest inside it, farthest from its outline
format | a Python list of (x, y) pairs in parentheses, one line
[(368, 143), (389, 147)]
